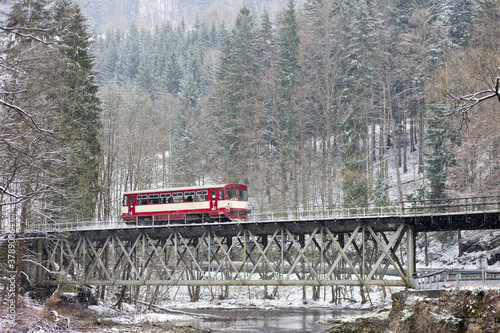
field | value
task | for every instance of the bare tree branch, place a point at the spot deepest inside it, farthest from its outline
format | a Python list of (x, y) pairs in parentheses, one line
[(25, 114), (18, 198), (467, 102), (12, 92), (16, 32)]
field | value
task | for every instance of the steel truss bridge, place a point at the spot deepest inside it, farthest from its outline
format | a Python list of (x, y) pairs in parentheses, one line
[(326, 248)]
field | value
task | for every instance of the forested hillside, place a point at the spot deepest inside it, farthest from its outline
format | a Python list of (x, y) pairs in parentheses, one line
[(333, 103), (120, 14), (312, 104)]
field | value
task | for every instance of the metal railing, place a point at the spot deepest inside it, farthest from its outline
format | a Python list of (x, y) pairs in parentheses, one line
[(405, 208), (399, 209), (447, 279)]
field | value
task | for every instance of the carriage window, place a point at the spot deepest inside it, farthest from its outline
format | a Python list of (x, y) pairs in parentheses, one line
[(125, 200), (177, 197), (201, 195), (221, 196), (153, 199), (189, 196), (142, 199), (243, 195), (231, 194), (165, 198)]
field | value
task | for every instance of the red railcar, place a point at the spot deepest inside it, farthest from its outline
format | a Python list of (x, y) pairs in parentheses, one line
[(224, 202)]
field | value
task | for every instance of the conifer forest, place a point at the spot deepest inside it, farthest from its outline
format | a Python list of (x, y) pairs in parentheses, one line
[(314, 104)]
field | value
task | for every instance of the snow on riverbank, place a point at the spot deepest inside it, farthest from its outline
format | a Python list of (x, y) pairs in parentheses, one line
[(239, 298)]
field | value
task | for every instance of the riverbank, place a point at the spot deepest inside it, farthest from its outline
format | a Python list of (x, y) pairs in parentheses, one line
[(460, 310), (475, 310), (70, 317), (58, 314)]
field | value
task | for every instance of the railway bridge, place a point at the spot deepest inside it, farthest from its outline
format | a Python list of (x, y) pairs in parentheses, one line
[(347, 247)]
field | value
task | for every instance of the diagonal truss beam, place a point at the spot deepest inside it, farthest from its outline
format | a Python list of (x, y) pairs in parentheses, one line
[(321, 256)]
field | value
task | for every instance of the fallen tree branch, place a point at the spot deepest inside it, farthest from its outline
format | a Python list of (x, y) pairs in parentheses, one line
[(204, 316)]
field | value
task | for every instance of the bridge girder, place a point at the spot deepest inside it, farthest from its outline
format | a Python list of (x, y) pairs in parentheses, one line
[(319, 256)]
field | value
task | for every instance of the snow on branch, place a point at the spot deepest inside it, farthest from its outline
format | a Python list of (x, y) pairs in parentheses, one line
[(17, 198), (16, 32), (467, 102), (25, 114)]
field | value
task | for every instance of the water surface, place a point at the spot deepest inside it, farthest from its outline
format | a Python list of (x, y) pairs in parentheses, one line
[(268, 320)]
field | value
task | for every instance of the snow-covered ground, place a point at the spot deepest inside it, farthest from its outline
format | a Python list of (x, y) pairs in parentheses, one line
[(445, 256), (178, 302)]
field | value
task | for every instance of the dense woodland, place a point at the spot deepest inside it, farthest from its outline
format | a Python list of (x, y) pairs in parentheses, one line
[(331, 104), (315, 105), (49, 115)]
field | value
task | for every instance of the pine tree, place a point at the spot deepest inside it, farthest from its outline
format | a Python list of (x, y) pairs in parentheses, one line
[(132, 52), (172, 76), (287, 74), (440, 155), (186, 154), (77, 102), (461, 15), (237, 80), (111, 66), (145, 74), (357, 89)]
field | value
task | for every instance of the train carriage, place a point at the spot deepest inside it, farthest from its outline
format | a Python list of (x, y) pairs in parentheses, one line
[(225, 202)]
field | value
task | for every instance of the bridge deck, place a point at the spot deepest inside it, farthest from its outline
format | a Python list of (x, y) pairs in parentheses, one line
[(420, 223), (423, 216)]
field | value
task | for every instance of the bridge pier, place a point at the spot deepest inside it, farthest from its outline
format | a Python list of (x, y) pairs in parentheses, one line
[(411, 254)]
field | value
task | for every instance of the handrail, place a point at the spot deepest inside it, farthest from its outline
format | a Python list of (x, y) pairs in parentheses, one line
[(446, 279)]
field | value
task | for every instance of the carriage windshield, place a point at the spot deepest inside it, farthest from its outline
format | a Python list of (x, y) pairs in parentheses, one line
[(243, 195), (236, 194)]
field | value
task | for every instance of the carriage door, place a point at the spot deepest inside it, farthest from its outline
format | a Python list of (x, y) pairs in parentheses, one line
[(213, 199), (131, 207)]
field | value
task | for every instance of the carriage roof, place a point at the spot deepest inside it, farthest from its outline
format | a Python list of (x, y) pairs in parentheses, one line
[(186, 188)]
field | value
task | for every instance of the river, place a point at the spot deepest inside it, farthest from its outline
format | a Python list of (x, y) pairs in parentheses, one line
[(267, 320)]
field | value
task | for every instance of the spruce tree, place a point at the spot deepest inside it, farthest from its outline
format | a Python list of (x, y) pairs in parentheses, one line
[(111, 67), (287, 64), (287, 70), (185, 147), (358, 78), (145, 74), (172, 76), (267, 36), (131, 51), (460, 19), (440, 155), (77, 102), (287, 73), (237, 83)]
